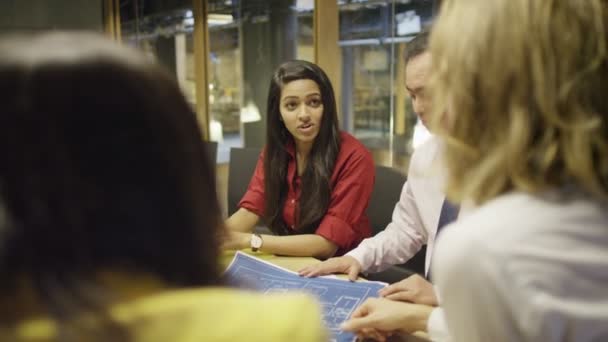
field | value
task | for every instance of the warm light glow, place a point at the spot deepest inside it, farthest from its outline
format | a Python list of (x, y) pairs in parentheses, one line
[(219, 19), (216, 132), (250, 113)]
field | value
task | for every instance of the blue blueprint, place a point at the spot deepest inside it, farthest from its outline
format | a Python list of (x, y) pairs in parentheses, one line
[(338, 297)]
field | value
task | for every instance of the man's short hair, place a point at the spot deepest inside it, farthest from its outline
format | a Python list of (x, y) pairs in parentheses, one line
[(418, 45)]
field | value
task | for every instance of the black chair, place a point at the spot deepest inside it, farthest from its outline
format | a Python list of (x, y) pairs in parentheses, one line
[(386, 193), (242, 166)]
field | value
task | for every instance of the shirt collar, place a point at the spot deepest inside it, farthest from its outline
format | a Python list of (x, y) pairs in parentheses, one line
[(290, 147)]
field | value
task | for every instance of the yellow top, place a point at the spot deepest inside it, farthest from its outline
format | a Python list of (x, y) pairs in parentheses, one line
[(203, 314)]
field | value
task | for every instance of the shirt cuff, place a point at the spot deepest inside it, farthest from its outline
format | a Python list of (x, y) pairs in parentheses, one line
[(339, 232), (359, 254), (253, 203), (436, 289), (436, 326)]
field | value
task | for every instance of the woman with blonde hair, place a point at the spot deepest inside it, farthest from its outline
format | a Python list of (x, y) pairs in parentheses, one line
[(523, 86), (528, 144)]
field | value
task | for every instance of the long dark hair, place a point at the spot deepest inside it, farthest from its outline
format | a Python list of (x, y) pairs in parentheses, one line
[(102, 168), (315, 183)]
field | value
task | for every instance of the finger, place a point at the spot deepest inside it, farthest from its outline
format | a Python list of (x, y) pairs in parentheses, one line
[(357, 324), (353, 273), (403, 296), (371, 333), (314, 271), (362, 310), (397, 287), (306, 271)]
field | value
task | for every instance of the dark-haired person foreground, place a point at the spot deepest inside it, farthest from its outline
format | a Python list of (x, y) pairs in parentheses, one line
[(102, 183), (312, 183)]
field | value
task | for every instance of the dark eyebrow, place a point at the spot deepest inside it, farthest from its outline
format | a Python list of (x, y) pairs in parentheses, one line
[(289, 98), (297, 97)]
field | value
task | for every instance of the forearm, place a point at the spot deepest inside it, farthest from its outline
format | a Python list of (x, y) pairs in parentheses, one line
[(233, 225), (398, 242), (299, 245), (242, 221), (389, 247)]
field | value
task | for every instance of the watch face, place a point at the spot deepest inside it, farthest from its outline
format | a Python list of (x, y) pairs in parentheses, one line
[(256, 241)]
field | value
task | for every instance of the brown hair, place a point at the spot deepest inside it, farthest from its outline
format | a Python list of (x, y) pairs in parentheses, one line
[(418, 45), (102, 169), (316, 187)]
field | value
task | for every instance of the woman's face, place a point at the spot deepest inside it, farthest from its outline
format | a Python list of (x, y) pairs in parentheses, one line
[(301, 109)]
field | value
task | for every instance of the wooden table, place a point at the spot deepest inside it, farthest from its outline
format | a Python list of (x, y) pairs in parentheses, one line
[(290, 263)]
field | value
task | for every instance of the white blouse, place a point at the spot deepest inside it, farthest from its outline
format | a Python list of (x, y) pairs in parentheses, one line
[(526, 268)]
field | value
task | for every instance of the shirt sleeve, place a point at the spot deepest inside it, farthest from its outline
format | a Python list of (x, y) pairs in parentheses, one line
[(477, 296), (253, 200), (343, 223), (436, 326), (399, 242)]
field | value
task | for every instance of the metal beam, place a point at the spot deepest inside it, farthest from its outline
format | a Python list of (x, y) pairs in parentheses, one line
[(326, 50), (201, 65)]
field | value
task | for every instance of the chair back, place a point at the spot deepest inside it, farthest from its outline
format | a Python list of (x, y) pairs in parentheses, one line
[(386, 193), (242, 165)]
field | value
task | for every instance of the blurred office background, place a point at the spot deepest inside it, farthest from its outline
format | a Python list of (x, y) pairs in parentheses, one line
[(223, 53)]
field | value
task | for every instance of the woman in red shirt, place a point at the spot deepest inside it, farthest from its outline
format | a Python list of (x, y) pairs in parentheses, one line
[(312, 183)]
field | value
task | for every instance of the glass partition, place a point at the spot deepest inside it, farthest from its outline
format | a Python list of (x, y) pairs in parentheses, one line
[(249, 39), (377, 110), (225, 75), (163, 30)]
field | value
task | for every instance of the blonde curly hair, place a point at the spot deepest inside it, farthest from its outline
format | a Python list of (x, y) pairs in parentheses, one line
[(519, 86)]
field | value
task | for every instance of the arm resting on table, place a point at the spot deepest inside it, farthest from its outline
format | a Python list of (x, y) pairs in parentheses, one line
[(242, 220), (299, 245)]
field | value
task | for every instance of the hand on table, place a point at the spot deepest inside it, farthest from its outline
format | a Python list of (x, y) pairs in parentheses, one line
[(236, 240), (344, 264), (413, 289), (366, 334), (385, 317)]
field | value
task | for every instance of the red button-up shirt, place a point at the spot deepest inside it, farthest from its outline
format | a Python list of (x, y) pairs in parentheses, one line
[(352, 181)]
